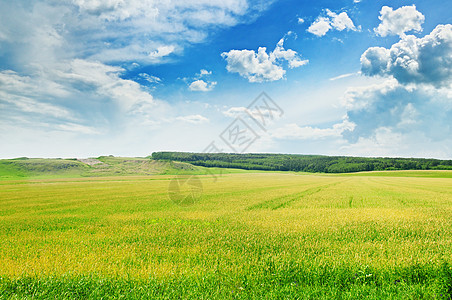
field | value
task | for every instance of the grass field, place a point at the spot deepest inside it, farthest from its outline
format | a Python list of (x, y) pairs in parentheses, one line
[(262, 235)]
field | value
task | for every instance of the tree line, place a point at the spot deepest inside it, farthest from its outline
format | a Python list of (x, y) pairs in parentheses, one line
[(303, 163)]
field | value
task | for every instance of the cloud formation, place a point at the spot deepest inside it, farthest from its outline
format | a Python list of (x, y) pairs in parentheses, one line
[(202, 86), (262, 66), (399, 21), (48, 96), (172, 25), (320, 26), (64, 61), (339, 22), (409, 113), (426, 60), (418, 115)]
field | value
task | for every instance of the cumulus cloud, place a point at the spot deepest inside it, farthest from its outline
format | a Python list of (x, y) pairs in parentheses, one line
[(339, 22), (262, 66), (202, 86), (414, 60), (409, 112), (320, 26), (204, 73), (399, 21)]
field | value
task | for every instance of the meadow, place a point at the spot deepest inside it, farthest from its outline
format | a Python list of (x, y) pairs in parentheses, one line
[(385, 235)]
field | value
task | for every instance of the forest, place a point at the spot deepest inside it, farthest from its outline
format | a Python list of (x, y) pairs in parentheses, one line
[(303, 163)]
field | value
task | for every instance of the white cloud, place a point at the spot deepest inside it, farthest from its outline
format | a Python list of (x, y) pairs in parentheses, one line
[(204, 73), (358, 98), (415, 60), (256, 67), (162, 52), (335, 21), (106, 81), (202, 86), (340, 21), (320, 26), (194, 119), (300, 20), (59, 69), (169, 23), (235, 112), (50, 93), (293, 131), (399, 21), (261, 66), (343, 76), (386, 142), (116, 30), (61, 76), (409, 114), (72, 127), (150, 78), (289, 55), (405, 110)]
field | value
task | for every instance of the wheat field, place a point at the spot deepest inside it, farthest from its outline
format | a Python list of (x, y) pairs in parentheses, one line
[(244, 236)]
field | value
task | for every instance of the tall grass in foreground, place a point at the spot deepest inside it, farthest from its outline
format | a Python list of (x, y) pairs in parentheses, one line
[(250, 236)]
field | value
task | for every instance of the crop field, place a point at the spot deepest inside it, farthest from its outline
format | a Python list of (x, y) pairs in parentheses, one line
[(245, 236)]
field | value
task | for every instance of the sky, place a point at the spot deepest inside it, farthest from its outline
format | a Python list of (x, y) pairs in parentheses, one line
[(83, 78)]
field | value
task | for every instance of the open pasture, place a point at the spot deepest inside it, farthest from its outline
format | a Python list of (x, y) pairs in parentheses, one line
[(251, 235)]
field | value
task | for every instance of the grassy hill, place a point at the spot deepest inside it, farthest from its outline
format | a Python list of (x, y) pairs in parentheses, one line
[(40, 168)]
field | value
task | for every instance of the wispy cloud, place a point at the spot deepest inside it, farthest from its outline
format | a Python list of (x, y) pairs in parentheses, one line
[(194, 119), (344, 76), (295, 132)]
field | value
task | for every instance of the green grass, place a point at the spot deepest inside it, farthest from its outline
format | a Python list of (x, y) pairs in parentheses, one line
[(417, 173), (250, 236)]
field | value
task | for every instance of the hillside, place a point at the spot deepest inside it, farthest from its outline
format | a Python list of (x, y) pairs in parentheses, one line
[(31, 168), (101, 166)]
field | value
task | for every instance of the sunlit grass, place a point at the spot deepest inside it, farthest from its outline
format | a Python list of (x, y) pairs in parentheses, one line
[(257, 235)]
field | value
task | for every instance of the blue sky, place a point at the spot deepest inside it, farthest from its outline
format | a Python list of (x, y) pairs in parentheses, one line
[(83, 78)]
